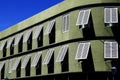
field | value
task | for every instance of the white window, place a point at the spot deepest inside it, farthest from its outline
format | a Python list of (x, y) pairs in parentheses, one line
[(82, 51), (111, 15), (65, 26), (36, 59), (37, 31), (49, 27), (83, 18), (25, 61), (17, 40), (2, 44), (62, 53), (15, 65), (27, 35), (110, 49), (10, 66), (1, 65), (10, 42), (48, 56)]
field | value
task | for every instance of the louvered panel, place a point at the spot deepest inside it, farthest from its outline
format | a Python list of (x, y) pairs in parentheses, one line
[(37, 31), (25, 61), (107, 49), (17, 40), (15, 65), (36, 59), (79, 51), (85, 50), (107, 14), (62, 53), (82, 51), (49, 27), (114, 50), (48, 56), (2, 44), (114, 12), (10, 42), (27, 35), (86, 17), (80, 18), (65, 26)]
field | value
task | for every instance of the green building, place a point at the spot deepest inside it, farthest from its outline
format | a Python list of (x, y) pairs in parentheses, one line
[(73, 40)]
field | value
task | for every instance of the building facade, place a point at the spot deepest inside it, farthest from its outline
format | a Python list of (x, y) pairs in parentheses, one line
[(73, 40)]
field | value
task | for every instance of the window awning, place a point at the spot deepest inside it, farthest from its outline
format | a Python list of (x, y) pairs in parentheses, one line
[(17, 40), (110, 49), (48, 56), (37, 31), (25, 61), (15, 65), (36, 59), (2, 44), (65, 26), (10, 66), (27, 35), (10, 42), (62, 53), (82, 51), (111, 15), (1, 65), (83, 17), (49, 27)]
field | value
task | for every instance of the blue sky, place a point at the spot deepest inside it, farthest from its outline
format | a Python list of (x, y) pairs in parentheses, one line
[(15, 11)]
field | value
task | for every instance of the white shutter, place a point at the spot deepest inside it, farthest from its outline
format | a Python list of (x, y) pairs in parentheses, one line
[(2, 44), (10, 42), (25, 61), (37, 31), (111, 15), (49, 27), (17, 40), (27, 35), (48, 56), (82, 51), (65, 26), (36, 59), (15, 65), (110, 50), (62, 53), (83, 17)]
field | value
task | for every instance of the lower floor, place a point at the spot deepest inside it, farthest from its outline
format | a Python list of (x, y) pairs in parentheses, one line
[(76, 76)]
